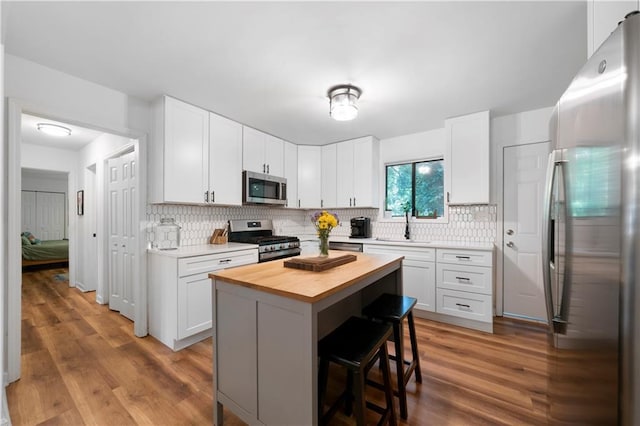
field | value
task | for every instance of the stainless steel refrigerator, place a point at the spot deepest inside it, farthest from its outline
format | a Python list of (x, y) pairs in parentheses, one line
[(591, 243)]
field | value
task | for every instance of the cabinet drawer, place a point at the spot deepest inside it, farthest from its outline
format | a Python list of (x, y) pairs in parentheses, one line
[(465, 278), (461, 304), (213, 262), (465, 257), (423, 254)]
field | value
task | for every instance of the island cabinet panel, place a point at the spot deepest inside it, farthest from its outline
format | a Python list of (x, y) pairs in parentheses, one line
[(281, 357), (236, 338)]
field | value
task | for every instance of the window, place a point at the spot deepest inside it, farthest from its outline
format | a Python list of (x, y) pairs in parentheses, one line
[(418, 186)]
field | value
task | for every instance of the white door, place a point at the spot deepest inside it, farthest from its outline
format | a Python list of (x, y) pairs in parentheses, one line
[(122, 176), (524, 177), (29, 212), (50, 215)]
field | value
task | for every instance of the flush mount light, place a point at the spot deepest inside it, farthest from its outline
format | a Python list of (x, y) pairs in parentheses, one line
[(53, 129), (343, 102)]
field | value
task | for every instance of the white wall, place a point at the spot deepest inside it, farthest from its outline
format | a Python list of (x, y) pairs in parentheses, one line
[(43, 181), (73, 99), (517, 129)]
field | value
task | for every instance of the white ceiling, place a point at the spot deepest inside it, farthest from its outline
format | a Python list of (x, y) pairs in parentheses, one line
[(269, 64), (79, 137)]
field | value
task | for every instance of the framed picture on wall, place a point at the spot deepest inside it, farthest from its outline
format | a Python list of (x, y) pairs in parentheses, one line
[(80, 202)]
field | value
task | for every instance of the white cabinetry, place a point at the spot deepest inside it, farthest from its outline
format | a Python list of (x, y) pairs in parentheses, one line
[(196, 156), (602, 19), (467, 139), (418, 272), (464, 285), (328, 174), (179, 154), (357, 172), (180, 294), (291, 173), (225, 161), (309, 172), (262, 153)]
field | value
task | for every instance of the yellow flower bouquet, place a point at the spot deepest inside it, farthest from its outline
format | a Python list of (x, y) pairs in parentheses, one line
[(324, 223)]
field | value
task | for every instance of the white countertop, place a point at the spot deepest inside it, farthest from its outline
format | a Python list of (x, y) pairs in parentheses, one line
[(412, 243), (203, 249)]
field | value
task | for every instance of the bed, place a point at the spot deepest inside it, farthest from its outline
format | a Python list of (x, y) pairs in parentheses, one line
[(46, 252)]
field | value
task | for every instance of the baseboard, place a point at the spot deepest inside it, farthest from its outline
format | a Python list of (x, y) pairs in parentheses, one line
[(5, 418), (100, 300)]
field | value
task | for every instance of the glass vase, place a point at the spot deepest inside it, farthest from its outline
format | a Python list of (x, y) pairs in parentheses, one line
[(324, 245)]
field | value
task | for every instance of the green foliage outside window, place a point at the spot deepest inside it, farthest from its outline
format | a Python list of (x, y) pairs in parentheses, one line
[(421, 184)]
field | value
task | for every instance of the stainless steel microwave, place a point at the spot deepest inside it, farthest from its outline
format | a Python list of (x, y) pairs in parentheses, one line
[(258, 188)]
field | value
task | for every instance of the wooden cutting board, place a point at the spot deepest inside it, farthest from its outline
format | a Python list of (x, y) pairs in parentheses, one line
[(318, 264)]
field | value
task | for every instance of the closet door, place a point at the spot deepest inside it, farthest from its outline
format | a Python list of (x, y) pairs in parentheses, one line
[(28, 212), (50, 215)]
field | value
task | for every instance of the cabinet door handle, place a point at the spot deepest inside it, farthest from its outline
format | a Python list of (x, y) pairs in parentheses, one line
[(354, 201), (264, 168), (206, 196), (461, 305), (447, 196), (298, 203), (463, 257), (267, 169), (462, 279), (224, 261), (213, 196), (321, 203)]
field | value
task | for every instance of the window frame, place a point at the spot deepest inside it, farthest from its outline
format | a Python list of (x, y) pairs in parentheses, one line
[(385, 216)]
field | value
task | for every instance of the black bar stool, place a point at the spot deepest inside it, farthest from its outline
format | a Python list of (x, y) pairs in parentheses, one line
[(393, 309), (356, 345)]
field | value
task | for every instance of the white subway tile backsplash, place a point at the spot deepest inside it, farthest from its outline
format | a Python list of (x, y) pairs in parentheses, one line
[(466, 223)]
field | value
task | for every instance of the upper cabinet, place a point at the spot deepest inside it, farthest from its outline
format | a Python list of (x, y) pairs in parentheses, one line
[(291, 173), (602, 19), (188, 158), (328, 176), (309, 176), (467, 140), (262, 153), (179, 153), (357, 164), (225, 161)]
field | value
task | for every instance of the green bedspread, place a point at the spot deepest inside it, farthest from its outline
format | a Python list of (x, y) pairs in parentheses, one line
[(53, 249)]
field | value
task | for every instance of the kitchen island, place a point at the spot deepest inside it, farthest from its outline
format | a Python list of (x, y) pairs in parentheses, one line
[(267, 320)]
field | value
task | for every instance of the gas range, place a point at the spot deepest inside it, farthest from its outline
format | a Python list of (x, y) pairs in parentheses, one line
[(260, 232)]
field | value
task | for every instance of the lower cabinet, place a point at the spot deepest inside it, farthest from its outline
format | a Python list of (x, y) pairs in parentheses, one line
[(464, 286), (180, 311), (451, 285), (418, 272)]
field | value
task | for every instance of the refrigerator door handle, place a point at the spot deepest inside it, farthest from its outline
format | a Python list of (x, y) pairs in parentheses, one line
[(547, 233)]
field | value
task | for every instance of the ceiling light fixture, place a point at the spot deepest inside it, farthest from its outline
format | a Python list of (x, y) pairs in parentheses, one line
[(343, 102), (53, 129)]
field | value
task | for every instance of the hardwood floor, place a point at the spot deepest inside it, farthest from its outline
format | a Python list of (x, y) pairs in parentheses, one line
[(81, 364)]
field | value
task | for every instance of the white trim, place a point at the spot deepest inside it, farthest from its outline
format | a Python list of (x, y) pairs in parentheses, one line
[(14, 269)]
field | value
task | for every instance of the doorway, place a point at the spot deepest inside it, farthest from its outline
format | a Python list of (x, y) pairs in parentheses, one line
[(137, 141), (525, 169)]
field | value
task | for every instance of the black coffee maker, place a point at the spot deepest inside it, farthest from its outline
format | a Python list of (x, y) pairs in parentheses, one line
[(360, 227)]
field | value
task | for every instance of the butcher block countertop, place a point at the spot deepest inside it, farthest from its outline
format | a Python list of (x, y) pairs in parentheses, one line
[(306, 286)]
